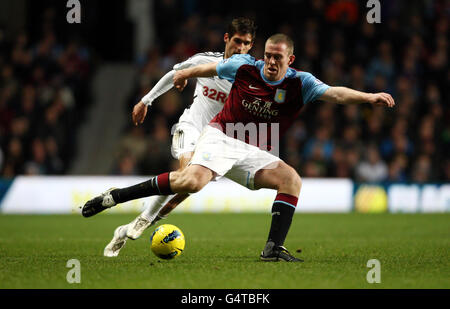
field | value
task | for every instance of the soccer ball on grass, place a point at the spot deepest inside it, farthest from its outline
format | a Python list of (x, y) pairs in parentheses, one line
[(167, 241)]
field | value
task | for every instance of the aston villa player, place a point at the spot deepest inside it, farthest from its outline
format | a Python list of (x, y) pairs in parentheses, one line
[(263, 92)]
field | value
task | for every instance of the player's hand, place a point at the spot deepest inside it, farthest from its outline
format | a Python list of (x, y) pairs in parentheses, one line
[(139, 113), (382, 99), (180, 80)]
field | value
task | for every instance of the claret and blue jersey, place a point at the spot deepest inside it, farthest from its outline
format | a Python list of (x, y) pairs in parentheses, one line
[(254, 99)]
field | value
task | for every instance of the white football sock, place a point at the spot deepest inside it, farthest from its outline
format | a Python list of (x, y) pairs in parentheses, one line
[(123, 231), (155, 205)]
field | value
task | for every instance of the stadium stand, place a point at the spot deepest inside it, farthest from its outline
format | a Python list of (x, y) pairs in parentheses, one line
[(44, 92), (44, 84), (407, 55)]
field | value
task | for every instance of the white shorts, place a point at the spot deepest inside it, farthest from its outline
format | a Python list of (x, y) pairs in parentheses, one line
[(230, 157), (184, 139)]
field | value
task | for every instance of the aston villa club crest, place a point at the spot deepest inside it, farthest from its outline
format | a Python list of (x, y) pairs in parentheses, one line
[(280, 96)]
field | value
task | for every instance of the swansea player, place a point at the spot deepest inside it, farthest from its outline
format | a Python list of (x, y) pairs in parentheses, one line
[(264, 93), (209, 97)]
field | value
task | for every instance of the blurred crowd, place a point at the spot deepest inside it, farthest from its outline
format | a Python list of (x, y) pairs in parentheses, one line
[(44, 91), (405, 55)]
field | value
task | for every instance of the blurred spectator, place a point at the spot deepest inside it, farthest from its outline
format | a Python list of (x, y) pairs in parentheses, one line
[(134, 142), (158, 155), (345, 11), (320, 146), (381, 69), (126, 165), (372, 168), (340, 166), (398, 169), (422, 169)]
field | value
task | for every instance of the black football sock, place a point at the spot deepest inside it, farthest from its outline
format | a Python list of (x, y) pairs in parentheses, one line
[(158, 185), (283, 210)]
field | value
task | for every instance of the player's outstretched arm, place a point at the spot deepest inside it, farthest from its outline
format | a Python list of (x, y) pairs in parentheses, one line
[(344, 95), (162, 86), (139, 113), (203, 70)]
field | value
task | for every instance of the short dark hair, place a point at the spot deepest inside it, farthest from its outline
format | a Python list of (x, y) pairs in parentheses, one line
[(242, 25), (283, 38)]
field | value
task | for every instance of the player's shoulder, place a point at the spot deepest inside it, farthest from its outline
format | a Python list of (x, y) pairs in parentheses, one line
[(199, 58), (295, 73), (204, 57), (241, 59), (215, 56), (307, 79), (303, 76)]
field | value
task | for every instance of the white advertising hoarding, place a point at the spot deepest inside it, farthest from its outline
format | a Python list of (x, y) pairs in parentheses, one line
[(65, 194), (412, 198)]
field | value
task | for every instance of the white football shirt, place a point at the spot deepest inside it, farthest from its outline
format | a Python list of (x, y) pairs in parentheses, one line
[(209, 96)]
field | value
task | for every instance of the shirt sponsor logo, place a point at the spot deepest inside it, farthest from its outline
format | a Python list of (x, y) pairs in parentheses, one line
[(260, 108)]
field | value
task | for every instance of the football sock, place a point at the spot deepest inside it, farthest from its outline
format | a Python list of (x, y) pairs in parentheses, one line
[(283, 209), (158, 185), (123, 231), (155, 205)]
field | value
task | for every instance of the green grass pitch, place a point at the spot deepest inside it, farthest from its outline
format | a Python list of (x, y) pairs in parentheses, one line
[(222, 252)]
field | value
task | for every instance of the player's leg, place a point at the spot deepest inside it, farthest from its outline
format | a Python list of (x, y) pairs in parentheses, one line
[(287, 182), (118, 241), (171, 204), (190, 180), (261, 169), (184, 140), (159, 207), (149, 216)]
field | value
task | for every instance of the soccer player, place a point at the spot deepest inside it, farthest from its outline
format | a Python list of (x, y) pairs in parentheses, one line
[(265, 92), (209, 97)]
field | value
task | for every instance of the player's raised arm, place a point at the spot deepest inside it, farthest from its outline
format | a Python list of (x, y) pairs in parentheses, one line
[(161, 87), (139, 113), (344, 95), (164, 85), (203, 70), (225, 69)]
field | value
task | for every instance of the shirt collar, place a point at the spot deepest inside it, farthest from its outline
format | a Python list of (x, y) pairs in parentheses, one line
[(272, 83)]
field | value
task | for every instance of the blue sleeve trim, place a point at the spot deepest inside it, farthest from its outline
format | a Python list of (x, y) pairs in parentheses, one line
[(286, 203)]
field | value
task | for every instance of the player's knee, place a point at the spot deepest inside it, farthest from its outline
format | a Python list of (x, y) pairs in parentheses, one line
[(195, 182), (296, 181), (194, 185), (291, 180)]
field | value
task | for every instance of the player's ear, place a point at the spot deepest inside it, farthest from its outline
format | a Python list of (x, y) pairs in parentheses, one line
[(291, 59), (226, 37)]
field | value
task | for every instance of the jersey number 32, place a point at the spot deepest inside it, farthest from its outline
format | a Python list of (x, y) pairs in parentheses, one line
[(213, 94)]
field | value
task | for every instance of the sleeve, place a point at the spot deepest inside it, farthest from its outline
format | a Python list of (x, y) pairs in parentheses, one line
[(312, 88), (227, 68), (197, 59), (161, 87)]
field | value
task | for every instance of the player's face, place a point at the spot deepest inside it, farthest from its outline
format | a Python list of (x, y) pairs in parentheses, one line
[(276, 61), (237, 44)]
